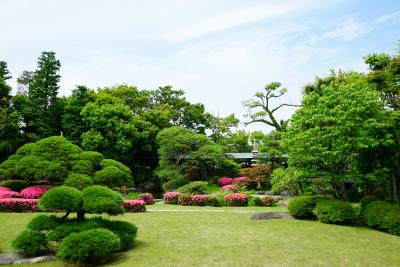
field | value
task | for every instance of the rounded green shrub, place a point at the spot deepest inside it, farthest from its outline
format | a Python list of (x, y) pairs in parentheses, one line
[(113, 163), (302, 206), (61, 198), (78, 181), (44, 223), (84, 167), (174, 184), (99, 199), (25, 149), (255, 201), (367, 200), (71, 226), (194, 188), (52, 171), (124, 230), (30, 243), (26, 167), (334, 211), (89, 246), (15, 185), (92, 156), (112, 176), (383, 215)]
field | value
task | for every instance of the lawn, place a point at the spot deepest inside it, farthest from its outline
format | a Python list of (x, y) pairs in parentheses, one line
[(229, 238)]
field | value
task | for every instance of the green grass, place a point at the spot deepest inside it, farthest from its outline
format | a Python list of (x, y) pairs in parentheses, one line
[(228, 238)]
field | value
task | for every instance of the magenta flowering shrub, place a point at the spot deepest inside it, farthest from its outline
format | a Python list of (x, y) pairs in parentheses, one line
[(3, 188), (204, 200), (147, 198), (225, 181), (9, 194), (230, 187), (35, 192), (241, 180), (236, 199), (136, 205), (171, 197), (18, 205)]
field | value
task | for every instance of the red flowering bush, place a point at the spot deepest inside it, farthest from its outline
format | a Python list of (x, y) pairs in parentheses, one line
[(18, 205), (136, 205), (230, 187), (241, 180), (236, 199), (3, 188), (204, 200), (171, 197), (9, 194), (147, 198), (35, 192), (225, 181)]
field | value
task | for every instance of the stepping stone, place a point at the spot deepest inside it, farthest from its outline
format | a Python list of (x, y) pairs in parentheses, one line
[(272, 215)]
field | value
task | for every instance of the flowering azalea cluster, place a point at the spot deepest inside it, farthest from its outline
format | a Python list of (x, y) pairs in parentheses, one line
[(230, 187), (236, 199), (33, 192), (3, 188), (241, 180), (171, 197), (204, 200), (9, 194), (136, 205), (225, 181), (147, 198), (18, 205)]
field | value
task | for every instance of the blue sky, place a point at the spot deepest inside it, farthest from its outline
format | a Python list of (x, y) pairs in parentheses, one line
[(219, 52)]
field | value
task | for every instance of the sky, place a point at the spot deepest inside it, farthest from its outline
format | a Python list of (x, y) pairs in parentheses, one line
[(220, 52)]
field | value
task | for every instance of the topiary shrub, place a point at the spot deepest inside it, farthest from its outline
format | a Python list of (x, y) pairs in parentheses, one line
[(92, 156), (194, 188), (125, 231), (174, 184), (44, 223), (99, 199), (84, 167), (30, 243), (71, 226), (89, 246), (171, 197), (334, 211), (383, 215), (147, 198), (136, 205), (61, 198), (112, 176), (78, 181), (15, 185), (185, 199), (302, 206), (236, 199)]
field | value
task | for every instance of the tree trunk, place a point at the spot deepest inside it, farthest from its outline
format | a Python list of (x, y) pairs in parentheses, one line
[(66, 215), (343, 191), (80, 215), (203, 171), (395, 195)]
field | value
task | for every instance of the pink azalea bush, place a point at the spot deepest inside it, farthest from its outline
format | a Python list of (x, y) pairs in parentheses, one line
[(18, 205), (3, 188), (241, 180), (204, 200), (136, 205), (35, 192), (230, 187), (225, 181), (147, 198), (9, 194), (171, 197), (236, 199)]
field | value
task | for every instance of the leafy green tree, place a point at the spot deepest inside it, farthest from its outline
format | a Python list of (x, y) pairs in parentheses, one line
[(326, 135), (271, 151), (260, 109)]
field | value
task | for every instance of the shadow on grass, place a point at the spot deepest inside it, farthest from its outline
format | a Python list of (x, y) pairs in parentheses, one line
[(121, 257)]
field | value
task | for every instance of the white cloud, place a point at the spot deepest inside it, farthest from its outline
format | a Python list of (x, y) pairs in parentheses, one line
[(388, 17)]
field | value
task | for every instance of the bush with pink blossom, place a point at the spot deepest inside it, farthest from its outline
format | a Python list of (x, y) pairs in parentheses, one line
[(35, 192), (242, 180), (204, 200), (225, 181), (136, 205), (3, 188), (236, 199), (171, 197), (9, 194), (230, 187), (147, 198), (18, 205)]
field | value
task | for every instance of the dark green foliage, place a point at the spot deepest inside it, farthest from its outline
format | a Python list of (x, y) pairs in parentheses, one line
[(383, 215), (7, 168), (84, 167), (25, 150), (255, 201), (334, 211), (78, 181), (61, 198), (367, 200), (174, 184), (44, 223), (72, 226), (30, 243), (302, 206), (26, 167), (194, 188), (185, 199), (113, 163), (125, 231), (15, 185), (88, 246), (99, 199), (112, 177), (51, 171), (133, 195)]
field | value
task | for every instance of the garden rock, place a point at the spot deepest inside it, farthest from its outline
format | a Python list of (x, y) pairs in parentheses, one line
[(271, 215), (14, 258)]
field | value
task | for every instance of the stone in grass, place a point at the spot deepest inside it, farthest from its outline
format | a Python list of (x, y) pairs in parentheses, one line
[(15, 258), (271, 215)]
